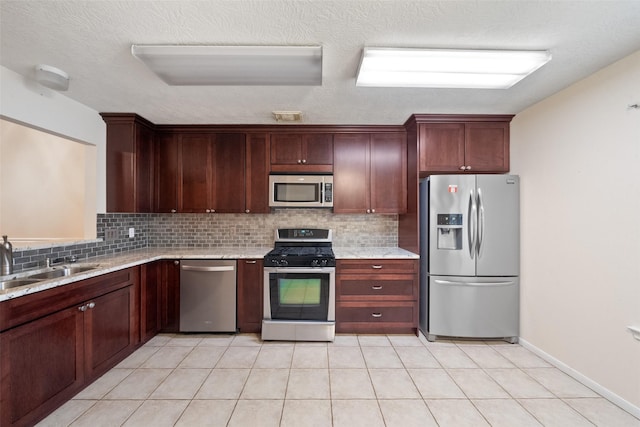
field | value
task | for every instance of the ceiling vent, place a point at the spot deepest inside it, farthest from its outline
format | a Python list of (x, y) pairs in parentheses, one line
[(288, 116)]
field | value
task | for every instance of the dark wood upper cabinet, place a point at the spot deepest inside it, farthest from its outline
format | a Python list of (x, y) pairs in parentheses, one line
[(461, 143), (195, 188), (166, 173), (486, 147), (257, 173), (370, 173), (129, 163), (299, 152), (228, 170)]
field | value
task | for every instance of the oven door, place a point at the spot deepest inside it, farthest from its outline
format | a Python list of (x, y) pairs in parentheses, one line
[(305, 294)]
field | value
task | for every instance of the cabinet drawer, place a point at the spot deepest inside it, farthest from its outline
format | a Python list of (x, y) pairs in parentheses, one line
[(376, 266), (376, 287), (376, 313)]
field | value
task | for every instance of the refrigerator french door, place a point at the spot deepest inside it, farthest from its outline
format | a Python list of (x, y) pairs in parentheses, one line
[(470, 239)]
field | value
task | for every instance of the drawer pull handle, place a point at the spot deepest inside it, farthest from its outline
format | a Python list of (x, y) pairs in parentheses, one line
[(251, 262), (376, 315), (376, 267), (377, 287)]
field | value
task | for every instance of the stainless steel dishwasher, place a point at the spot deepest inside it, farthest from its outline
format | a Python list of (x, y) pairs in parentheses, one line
[(207, 295)]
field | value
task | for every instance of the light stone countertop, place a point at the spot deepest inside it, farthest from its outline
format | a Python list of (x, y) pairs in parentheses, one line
[(110, 263)]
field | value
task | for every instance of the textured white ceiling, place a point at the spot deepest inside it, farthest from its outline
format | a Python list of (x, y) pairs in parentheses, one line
[(91, 41)]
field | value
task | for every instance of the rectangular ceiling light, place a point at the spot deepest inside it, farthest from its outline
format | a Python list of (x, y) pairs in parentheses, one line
[(200, 65), (442, 68)]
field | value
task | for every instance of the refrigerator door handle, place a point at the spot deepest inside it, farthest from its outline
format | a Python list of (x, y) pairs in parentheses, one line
[(480, 221), (472, 224), (451, 282)]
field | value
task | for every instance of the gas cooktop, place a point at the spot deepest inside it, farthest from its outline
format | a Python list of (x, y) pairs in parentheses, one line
[(301, 247)]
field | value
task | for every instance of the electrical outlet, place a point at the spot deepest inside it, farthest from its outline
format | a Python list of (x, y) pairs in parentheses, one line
[(132, 232), (110, 234)]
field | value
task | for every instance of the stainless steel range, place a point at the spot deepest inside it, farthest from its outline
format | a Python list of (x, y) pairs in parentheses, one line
[(299, 286)]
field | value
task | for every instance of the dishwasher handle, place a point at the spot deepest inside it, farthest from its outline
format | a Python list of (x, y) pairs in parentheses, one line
[(205, 268)]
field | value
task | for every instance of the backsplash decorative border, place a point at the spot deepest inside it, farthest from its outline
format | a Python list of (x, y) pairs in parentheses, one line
[(214, 230)]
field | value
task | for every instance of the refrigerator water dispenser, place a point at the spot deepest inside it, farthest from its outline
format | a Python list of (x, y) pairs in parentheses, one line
[(450, 231)]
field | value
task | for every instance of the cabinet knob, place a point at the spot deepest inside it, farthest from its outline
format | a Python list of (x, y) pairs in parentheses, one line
[(173, 211), (368, 210), (82, 308), (373, 211), (468, 168), (91, 304), (304, 161), (176, 262), (376, 315), (463, 167), (299, 161), (247, 211), (207, 210)]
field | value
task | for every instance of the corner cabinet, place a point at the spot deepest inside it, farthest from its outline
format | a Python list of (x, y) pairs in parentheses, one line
[(370, 173), (95, 325), (130, 141), (377, 296), (461, 143)]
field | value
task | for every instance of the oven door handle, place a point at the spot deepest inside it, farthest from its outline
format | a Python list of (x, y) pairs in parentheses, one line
[(300, 270)]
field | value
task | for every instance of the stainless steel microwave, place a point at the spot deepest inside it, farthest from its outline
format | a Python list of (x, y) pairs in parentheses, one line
[(301, 191)]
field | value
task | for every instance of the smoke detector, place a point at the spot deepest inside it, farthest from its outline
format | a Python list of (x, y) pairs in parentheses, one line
[(287, 116)]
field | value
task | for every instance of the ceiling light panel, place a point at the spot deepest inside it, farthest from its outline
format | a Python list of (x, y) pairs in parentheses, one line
[(441, 68), (199, 65)]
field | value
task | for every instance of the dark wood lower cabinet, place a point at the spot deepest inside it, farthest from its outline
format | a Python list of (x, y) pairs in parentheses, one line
[(41, 365), (150, 290), (250, 293), (377, 296), (55, 342), (170, 296)]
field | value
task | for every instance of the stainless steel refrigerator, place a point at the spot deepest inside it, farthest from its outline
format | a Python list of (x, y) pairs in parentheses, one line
[(470, 256)]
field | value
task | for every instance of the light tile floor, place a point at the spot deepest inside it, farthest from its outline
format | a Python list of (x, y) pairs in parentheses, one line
[(358, 380)]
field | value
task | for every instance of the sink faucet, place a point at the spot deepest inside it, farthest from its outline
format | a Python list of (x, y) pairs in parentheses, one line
[(6, 256)]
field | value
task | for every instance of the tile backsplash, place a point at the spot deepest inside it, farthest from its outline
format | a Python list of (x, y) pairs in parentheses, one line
[(215, 230), (242, 230)]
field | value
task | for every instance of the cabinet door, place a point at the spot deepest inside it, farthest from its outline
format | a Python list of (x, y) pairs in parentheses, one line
[(286, 149), (170, 296), (257, 173), (150, 300), (487, 147), (297, 152), (442, 147), (41, 365), (317, 149), (351, 173), (250, 294), (228, 159), (388, 173), (109, 330), (166, 173), (129, 164), (194, 183)]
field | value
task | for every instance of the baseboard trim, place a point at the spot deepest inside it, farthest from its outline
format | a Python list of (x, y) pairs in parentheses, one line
[(603, 391)]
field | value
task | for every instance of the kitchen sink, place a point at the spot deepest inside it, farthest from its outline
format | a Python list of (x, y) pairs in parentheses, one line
[(14, 283), (62, 271)]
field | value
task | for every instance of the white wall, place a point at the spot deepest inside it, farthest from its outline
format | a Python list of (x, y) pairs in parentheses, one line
[(27, 102), (578, 155)]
